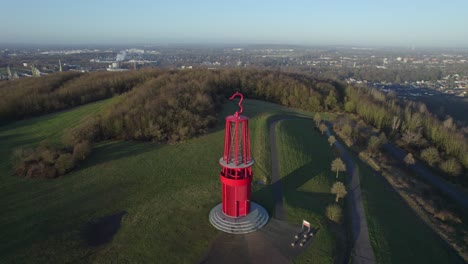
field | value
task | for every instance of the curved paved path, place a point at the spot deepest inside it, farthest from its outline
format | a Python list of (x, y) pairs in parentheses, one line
[(268, 244), (361, 248)]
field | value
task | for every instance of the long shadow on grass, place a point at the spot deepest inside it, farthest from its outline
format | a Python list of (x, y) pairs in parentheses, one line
[(102, 230), (312, 201), (290, 184)]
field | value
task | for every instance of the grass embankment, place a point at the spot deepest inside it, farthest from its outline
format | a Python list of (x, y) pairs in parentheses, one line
[(166, 190), (304, 158), (397, 234)]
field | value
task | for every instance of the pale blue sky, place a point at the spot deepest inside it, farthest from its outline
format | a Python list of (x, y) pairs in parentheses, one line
[(313, 22)]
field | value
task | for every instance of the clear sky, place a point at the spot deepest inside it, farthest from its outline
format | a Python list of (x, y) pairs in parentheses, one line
[(428, 23)]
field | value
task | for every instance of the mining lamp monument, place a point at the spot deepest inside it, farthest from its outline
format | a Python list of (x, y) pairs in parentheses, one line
[(237, 214)]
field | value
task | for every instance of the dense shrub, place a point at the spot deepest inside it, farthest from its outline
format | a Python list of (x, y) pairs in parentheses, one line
[(81, 150), (48, 160), (64, 163)]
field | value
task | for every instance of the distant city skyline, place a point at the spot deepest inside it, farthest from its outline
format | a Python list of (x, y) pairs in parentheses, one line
[(407, 23)]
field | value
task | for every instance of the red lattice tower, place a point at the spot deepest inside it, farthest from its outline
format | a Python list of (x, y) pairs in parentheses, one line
[(236, 173)]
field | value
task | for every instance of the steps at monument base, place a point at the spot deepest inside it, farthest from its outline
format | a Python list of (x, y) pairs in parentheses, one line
[(255, 220), (255, 224), (239, 229)]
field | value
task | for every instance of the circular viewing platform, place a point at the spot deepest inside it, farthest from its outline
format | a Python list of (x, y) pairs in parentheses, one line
[(231, 165)]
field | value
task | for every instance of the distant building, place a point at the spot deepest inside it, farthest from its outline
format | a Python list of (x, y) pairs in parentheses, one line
[(137, 51)]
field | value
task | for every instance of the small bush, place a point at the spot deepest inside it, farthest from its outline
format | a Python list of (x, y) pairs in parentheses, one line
[(81, 150), (44, 161), (451, 166), (430, 155), (64, 163), (33, 170), (334, 213)]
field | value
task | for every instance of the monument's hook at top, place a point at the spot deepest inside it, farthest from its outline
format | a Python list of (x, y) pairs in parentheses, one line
[(239, 104)]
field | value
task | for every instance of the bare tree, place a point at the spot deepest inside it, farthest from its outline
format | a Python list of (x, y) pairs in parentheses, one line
[(411, 137), (451, 166), (331, 140), (430, 155), (334, 213), (323, 128), (409, 159), (317, 119), (383, 139), (339, 190), (373, 145), (347, 130), (338, 165)]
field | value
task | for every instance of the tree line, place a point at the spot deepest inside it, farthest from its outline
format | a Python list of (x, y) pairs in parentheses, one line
[(175, 105), (434, 141), (30, 96)]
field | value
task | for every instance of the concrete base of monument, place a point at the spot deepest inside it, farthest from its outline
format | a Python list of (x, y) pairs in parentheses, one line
[(255, 220)]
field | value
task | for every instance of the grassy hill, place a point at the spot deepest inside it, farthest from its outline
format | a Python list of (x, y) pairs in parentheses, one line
[(164, 193)]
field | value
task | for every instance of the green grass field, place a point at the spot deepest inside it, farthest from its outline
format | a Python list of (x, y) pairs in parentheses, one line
[(397, 233), (166, 191), (304, 158)]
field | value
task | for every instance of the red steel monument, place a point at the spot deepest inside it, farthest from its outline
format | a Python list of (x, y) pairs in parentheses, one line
[(236, 213)]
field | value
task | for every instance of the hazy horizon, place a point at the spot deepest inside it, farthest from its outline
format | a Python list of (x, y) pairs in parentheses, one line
[(424, 24)]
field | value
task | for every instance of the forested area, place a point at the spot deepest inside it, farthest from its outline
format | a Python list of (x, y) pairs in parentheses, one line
[(172, 105), (178, 105), (439, 143), (34, 96)]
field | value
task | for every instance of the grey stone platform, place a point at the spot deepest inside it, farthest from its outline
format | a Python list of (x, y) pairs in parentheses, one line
[(255, 220)]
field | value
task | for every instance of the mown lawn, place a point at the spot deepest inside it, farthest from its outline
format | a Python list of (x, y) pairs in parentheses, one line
[(304, 158)]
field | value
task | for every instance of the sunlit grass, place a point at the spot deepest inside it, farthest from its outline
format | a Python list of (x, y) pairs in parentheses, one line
[(305, 159)]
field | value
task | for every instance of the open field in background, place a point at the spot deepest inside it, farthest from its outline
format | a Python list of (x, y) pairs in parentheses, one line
[(397, 233), (304, 158)]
